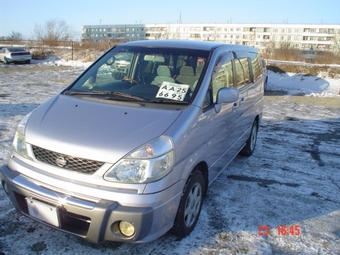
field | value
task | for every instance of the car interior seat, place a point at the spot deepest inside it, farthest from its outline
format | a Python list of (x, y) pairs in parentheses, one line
[(186, 76), (163, 74)]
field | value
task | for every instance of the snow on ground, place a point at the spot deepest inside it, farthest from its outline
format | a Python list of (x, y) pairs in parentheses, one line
[(55, 61), (291, 183), (301, 84)]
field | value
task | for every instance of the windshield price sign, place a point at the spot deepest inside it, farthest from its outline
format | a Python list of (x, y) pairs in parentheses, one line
[(172, 91)]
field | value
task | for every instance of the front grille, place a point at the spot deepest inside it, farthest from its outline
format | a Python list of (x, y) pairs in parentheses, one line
[(65, 161)]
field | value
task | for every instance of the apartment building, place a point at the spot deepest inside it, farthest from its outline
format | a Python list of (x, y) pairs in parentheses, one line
[(303, 36)]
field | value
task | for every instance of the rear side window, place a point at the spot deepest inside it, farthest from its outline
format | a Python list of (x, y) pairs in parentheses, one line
[(255, 60), (242, 72)]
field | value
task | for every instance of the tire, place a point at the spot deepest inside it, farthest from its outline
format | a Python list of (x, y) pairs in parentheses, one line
[(190, 205), (250, 145), (5, 61)]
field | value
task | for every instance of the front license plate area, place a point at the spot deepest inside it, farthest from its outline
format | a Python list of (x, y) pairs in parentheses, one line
[(44, 212)]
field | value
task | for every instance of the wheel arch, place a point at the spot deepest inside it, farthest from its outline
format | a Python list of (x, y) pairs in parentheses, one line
[(257, 119), (203, 168)]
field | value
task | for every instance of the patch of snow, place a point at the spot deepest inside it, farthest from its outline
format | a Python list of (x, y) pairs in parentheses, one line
[(300, 84)]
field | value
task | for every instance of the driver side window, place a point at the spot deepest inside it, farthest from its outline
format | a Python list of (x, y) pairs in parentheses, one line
[(223, 74)]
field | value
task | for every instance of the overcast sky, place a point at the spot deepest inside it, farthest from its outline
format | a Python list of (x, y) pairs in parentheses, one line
[(22, 15)]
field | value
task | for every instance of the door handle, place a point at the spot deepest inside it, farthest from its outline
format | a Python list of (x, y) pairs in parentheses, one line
[(235, 105)]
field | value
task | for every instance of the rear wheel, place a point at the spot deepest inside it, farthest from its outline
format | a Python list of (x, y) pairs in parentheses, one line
[(190, 205), (249, 147), (5, 60)]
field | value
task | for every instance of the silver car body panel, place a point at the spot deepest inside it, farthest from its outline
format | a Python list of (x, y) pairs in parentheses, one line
[(106, 131)]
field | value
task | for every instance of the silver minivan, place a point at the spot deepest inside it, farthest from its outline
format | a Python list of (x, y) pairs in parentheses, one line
[(128, 150)]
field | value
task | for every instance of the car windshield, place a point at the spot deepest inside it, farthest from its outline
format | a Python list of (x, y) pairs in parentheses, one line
[(155, 75)]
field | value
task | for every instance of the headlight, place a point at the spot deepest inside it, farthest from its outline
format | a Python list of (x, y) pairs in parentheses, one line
[(148, 163), (19, 141)]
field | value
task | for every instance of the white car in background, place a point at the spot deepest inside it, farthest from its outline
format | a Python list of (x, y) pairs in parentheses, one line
[(14, 55)]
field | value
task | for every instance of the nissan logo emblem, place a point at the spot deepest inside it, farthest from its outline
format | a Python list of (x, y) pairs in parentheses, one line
[(61, 162)]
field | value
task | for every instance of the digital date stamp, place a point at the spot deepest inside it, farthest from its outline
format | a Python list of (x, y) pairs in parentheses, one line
[(282, 230)]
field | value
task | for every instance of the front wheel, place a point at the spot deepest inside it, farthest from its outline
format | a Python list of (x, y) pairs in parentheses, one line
[(190, 205), (5, 60), (249, 147)]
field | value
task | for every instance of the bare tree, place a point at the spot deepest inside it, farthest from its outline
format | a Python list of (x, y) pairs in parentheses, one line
[(336, 40), (15, 36), (168, 33), (279, 50), (53, 31)]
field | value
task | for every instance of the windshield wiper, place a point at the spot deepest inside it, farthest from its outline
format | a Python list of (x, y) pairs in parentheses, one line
[(168, 101), (114, 95), (111, 95), (94, 92)]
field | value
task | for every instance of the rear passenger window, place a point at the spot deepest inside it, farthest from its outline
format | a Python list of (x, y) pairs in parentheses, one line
[(257, 71), (242, 72), (223, 74)]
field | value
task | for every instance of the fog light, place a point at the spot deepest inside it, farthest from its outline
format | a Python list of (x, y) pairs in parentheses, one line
[(126, 228)]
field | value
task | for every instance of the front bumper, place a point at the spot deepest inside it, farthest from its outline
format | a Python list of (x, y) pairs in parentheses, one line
[(94, 220)]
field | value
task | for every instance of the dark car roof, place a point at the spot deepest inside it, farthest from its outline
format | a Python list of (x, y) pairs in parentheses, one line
[(14, 49), (183, 44)]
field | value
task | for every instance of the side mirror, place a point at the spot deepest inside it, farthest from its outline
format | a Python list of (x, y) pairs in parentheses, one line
[(110, 61), (226, 95)]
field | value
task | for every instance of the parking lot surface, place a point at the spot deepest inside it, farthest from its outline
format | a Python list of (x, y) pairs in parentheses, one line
[(282, 200)]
